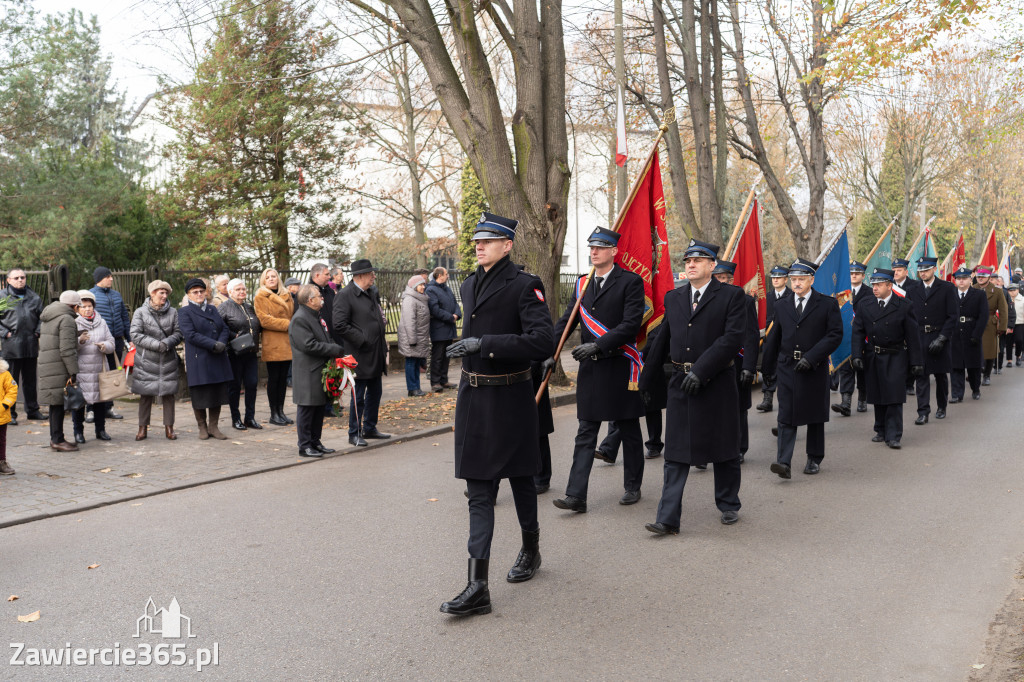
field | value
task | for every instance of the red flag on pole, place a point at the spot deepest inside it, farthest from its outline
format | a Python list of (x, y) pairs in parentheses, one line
[(990, 254), (749, 259), (643, 246), (621, 153)]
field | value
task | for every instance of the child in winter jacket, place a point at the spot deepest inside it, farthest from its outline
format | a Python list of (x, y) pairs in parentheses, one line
[(8, 395)]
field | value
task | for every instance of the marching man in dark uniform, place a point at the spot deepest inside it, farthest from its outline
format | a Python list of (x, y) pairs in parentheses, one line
[(746, 362), (703, 331), (935, 309), (971, 321), (506, 326), (798, 346), (780, 278), (901, 279), (611, 314), (850, 378), (887, 346), (998, 314)]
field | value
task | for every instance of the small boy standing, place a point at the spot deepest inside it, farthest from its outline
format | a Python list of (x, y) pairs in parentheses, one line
[(8, 396)]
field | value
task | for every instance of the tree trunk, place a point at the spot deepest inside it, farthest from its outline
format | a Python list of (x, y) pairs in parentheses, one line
[(412, 158)]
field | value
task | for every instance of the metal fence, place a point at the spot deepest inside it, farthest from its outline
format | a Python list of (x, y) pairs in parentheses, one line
[(47, 283)]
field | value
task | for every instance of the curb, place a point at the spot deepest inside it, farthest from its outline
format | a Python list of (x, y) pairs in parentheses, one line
[(556, 401)]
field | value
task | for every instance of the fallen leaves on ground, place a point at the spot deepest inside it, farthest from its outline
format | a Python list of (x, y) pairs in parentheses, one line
[(13, 597), (32, 617), (43, 474), (431, 499), (92, 566), (105, 470), (132, 475)]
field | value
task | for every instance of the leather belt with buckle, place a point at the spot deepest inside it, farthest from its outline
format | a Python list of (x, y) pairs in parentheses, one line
[(967, 319), (929, 328), (882, 350), (683, 367), (477, 380), (797, 354)]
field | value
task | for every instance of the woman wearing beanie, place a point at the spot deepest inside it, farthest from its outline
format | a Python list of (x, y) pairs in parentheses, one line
[(274, 308), (94, 343), (206, 360), (8, 394), (414, 332), (241, 320), (155, 334)]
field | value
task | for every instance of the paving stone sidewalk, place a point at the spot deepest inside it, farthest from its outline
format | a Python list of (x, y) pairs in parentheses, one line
[(104, 472)]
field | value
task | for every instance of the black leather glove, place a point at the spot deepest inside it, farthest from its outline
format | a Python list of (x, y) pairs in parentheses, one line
[(585, 350), (219, 347), (917, 370), (746, 377), (975, 342), (857, 363), (937, 345), (467, 346), (804, 365), (691, 384), (547, 366)]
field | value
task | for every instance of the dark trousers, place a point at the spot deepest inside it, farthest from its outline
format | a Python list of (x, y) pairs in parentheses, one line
[(277, 382), (850, 379), (924, 392), (481, 511), (957, 379), (3, 442), (99, 411), (366, 403), (987, 371), (439, 362), (611, 442), (727, 489), (769, 386), (583, 456), (57, 423), (1018, 340), (114, 358), (889, 421), (544, 477), (23, 370), (245, 371), (815, 443), (744, 432), (309, 424), (146, 409), (1006, 347)]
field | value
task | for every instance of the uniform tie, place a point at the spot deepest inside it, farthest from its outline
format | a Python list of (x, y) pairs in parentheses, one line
[(881, 304), (599, 281), (800, 307), (696, 299)]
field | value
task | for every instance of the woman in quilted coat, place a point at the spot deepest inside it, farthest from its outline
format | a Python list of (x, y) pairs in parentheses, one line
[(94, 343), (156, 336)]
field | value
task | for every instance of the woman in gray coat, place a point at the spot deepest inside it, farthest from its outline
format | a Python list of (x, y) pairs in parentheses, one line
[(414, 332), (94, 343), (155, 333), (58, 362), (312, 347)]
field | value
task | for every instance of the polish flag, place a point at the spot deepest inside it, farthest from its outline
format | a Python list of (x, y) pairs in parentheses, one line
[(620, 130)]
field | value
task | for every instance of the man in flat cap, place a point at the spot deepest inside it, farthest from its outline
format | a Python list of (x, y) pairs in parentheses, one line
[(971, 322), (506, 326), (610, 316), (797, 348), (780, 279), (935, 309), (850, 378), (701, 335), (998, 316), (887, 346)]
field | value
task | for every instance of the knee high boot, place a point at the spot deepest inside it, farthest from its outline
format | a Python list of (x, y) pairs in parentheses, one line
[(201, 422), (528, 560), (843, 407), (214, 418), (476, 598)]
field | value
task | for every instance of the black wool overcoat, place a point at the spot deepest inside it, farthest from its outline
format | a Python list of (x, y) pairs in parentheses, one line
[(895, 327)]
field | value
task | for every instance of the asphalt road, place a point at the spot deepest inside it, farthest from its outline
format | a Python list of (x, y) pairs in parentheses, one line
[(886, 566)]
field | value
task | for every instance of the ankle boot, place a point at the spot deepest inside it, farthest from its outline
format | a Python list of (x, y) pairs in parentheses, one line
[(79, 436), (275, 415), (169, 432), (285, 418), (766, 402), (212, 426), (528, 560), (843, 408), (201, 422), (143, 433), (475, 599)]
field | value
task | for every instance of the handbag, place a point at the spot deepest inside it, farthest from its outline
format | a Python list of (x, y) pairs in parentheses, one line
[(113, 384), (74, 399), (243, 343)]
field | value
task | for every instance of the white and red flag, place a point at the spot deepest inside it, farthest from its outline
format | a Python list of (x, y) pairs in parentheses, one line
[(621, 153)]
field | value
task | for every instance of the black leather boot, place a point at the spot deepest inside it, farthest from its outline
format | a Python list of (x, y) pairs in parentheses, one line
[(275, 416), (766, 402), (475, 599), (528, 560), (843, 408)]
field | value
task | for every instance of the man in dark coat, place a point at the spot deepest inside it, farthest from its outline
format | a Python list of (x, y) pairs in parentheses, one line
[(887, 346), (611, 312), (850, 378), (903, 284), (507, 326), (746, 362), (358, 320), (545, 427), (796, 351), (703, 331), (312, 346), (779, 276), (971, 321), (935, 309), (320, 276), (444, 314), (19, 338)]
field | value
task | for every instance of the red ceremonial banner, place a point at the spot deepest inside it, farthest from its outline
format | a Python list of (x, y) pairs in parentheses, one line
[(643, 245), (749, 259), (990, 254), (957, 259)]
